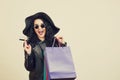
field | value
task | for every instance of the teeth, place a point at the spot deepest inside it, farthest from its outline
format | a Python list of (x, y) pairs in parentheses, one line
[(40, 32)]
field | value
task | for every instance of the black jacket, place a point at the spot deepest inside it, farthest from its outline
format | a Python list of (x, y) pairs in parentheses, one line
[(34, 62)]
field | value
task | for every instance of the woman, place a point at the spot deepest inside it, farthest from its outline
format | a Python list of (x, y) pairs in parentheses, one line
[(40, 31)]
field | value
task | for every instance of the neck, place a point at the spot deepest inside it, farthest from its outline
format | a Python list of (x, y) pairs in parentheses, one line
[(42, 39)]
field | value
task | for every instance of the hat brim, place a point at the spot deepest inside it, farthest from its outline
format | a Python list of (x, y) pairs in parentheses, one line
[(29, 23)]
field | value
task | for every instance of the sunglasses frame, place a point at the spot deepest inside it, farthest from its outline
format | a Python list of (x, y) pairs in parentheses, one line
[(37, 26)]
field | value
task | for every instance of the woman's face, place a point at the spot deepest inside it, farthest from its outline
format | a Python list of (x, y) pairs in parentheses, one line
[(39, 28)]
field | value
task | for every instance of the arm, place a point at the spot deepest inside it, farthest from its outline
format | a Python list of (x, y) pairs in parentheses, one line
[(29, 57), (29, 61)]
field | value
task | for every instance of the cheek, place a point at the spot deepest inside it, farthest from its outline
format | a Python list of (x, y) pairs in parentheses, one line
[(45, 30)]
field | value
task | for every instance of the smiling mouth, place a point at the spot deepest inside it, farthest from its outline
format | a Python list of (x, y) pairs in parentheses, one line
[(41, 32)]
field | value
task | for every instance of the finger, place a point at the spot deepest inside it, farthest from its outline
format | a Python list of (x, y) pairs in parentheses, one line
[(25, 42), (27, 47), (59, 37)]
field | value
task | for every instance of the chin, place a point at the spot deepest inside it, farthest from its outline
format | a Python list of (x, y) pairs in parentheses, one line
[(41, 36)]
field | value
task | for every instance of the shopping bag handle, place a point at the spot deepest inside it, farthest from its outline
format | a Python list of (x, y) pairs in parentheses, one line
[(54, 43)]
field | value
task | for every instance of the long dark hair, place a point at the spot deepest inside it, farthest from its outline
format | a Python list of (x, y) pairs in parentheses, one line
[(49, 36)]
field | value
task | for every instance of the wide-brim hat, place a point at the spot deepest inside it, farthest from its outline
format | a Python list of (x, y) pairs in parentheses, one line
[(29, 23)]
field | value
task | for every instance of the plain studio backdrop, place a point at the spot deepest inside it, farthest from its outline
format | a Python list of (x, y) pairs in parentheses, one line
[(90, 27)]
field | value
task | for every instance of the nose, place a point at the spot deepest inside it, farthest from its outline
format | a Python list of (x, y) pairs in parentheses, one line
[(39, 27)]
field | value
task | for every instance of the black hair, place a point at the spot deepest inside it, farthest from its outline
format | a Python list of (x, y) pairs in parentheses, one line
[(48, 36)]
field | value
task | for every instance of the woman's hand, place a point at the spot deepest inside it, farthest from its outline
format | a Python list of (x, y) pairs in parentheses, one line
[(27, 47), (60, 39)]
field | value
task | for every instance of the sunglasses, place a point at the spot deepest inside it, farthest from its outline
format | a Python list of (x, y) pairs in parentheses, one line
[(37, 26)]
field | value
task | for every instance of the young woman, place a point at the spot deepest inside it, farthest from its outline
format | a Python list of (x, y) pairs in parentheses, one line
[(40, 31)]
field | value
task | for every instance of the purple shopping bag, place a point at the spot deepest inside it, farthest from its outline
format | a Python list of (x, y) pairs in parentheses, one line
[(59, 62)]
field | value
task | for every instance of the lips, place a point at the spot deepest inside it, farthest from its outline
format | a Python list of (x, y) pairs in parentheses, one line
[(41, 32)]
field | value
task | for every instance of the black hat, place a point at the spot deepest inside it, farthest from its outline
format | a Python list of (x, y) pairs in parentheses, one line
[(29, 23)]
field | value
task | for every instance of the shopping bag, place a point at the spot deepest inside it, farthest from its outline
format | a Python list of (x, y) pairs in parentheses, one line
[(59, 62)]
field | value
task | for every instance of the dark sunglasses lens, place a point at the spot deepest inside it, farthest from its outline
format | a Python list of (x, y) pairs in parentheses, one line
[(36, 27), (42, 26)]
